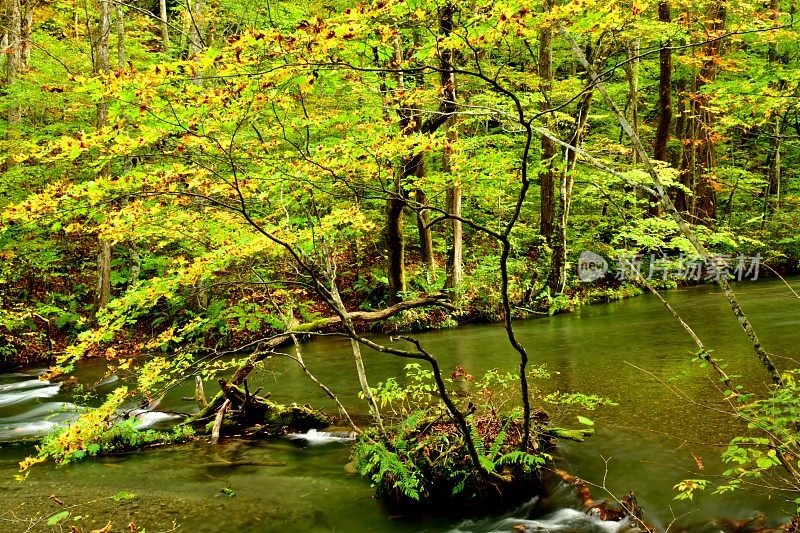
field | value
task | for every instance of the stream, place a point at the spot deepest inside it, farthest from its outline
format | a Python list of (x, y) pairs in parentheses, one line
[(624, 350)]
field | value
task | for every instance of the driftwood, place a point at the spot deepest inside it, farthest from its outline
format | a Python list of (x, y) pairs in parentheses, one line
[(235, 408), (200, 393), (218, 422)]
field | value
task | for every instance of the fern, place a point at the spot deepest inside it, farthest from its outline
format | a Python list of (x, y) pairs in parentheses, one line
[(477, 441), (381, 464), (412, 422), (497, 445), (460, 484), (524, 459)]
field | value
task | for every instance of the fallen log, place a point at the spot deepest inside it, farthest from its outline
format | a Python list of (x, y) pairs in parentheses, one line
[(215, 430), (245, 411), (263, 348)]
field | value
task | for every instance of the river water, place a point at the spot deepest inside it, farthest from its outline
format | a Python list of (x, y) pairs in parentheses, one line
[(629, 351)]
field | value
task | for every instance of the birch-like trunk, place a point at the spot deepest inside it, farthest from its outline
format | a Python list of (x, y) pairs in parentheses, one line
[(101, 66), (162, 5)]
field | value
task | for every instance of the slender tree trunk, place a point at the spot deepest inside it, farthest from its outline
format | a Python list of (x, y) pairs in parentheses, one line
[(75, 26), (3, 31), (120, 16), (356, 348), (547, 177), (632, 75), (558, 261), (13, 51), (412, 123), (424, 230), (162, 5), (774, 168), (135, 261), (196, 27), (447, 58), (704, 157), (103, 274), (454, 271), (664, 103), (135, 266), (25, 32), (775, 174), (684, 201), (664, 90), (14, 64), (395, 244), (395, 205), (101, 65), (680, 124)]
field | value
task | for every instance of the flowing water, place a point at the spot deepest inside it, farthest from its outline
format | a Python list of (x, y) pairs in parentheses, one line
[(630, 351)]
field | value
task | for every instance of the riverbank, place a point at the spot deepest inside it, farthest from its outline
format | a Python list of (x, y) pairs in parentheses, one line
[(646, 444)]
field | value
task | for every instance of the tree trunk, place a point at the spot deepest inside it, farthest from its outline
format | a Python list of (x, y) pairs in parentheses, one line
[(196, 43), (101, 61), (702, 158), (632, 75), (359, 360), (135, 266), (395, 246), (25, 32), (547, 192), (395, 205), (75, 25), (664, 103), (774, 159), (425, 233), (120, 16), (13, 51), (454, 254), (162, 4), (103, 274), (558, 261), (101, 65), (664, 90), (447, 79)]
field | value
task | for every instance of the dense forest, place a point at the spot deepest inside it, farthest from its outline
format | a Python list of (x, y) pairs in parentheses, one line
[(192, 189)]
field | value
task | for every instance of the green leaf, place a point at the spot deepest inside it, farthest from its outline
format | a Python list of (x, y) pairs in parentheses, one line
[(765, 462), (57, 518), (123, 495), (585, 421)]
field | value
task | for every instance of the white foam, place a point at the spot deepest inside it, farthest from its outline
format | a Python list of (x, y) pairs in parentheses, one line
[(45, 410), (12, 432), (314, 437), (113, 378), (12, 398), (148, 419), (562, 520), (24, 385)]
